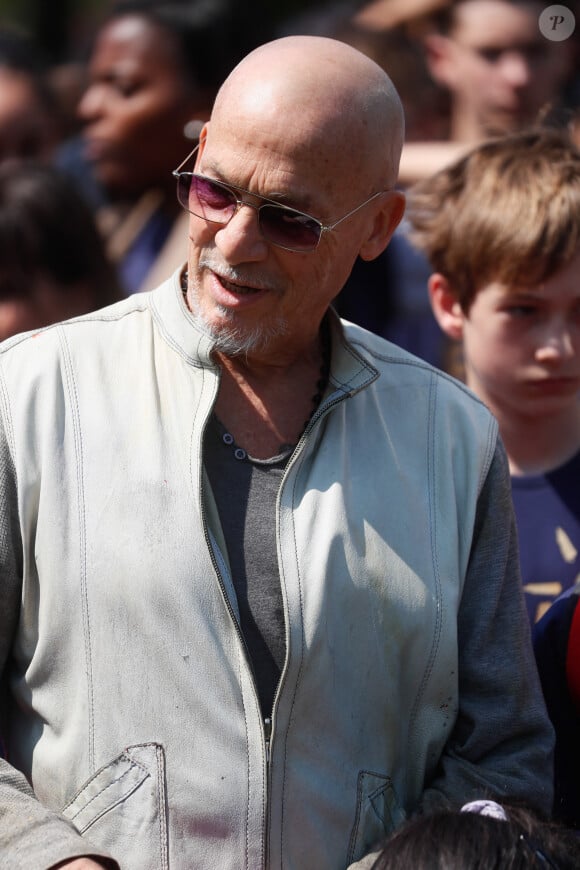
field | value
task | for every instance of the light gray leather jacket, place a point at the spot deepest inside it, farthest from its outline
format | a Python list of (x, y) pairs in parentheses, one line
[(131, 707)]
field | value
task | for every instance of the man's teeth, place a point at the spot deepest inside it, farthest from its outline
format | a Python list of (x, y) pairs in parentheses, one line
[(238, 288)]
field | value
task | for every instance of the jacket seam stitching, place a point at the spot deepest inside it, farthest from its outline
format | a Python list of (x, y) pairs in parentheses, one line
[(162, 807), (94, 317), (7, 416), (418, 364), (78, 441), (249, 763), (298, 675), (102, 791), (491, 442), (194, 361), (431, 477)]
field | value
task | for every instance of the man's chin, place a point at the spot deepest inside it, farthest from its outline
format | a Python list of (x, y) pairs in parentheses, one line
[(234, 340)]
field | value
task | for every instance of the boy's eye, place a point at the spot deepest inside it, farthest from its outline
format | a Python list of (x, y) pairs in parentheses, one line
[(521, 310)]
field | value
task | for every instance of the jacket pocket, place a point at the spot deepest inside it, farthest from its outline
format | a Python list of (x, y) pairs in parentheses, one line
[(378, 812), (122, 808)]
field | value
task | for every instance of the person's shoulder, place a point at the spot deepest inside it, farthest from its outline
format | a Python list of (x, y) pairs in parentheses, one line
[(83, 343), (377, 349), (459, 422), (398, 365), (41, 340)]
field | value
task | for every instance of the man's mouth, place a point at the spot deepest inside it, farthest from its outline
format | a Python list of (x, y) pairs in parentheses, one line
[(238, 289)]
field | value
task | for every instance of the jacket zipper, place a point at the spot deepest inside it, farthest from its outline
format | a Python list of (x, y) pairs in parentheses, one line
[(267, 721), (268, 737)]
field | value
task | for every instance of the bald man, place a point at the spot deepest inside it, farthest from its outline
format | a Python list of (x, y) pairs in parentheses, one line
[(260, 596)]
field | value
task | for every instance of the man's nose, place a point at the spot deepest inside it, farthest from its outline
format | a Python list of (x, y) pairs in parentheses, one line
[(241, 240)]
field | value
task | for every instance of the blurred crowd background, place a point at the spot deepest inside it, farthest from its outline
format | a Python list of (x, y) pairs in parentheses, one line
[(63, 27), (109, 95), (101, 99)]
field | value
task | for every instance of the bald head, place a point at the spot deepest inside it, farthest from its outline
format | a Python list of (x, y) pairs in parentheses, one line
[(328, 94)]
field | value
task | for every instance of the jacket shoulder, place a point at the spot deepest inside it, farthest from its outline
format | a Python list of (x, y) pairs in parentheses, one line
[(394, 364), (27, 342)]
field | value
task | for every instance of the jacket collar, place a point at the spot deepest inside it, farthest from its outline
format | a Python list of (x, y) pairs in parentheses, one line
[(176, 324), (350, 370)]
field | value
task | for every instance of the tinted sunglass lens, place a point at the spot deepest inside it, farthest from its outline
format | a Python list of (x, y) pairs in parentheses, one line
[(183, 185), (215, 202), (210, 200), (289, 229)]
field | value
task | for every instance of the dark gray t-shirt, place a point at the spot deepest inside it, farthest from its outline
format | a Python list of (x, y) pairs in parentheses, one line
[(245, 491)]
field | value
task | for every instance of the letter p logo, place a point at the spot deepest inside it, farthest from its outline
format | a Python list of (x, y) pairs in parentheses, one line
[(557, 23)]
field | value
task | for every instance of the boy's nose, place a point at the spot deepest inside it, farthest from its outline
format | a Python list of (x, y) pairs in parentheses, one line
[(557, 344)]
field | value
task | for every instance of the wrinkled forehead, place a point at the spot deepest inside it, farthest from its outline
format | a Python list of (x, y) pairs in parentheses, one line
[(285, 118), (285, 168), (280, 153)]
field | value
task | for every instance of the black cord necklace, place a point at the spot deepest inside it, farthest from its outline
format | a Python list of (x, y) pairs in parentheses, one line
[(321, 386)]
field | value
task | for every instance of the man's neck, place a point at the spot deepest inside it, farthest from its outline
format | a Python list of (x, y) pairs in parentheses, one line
[(266, 405)]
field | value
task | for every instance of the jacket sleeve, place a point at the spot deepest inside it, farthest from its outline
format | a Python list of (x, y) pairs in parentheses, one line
[(31, 836), (502, 741)]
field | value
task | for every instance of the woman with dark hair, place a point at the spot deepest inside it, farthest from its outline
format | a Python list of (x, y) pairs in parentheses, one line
[(53, 264), (154, 71)]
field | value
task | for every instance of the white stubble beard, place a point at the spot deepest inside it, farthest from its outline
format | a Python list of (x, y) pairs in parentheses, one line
[(229, 338)]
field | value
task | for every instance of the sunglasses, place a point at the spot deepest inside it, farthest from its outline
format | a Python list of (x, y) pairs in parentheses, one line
[(282, 226)]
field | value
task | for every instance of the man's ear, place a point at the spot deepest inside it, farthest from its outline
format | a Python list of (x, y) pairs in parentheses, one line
[(386, 221), (446, 308), (202, 140)]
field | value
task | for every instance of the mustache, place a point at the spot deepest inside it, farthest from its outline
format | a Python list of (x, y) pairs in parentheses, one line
[(246, 276)]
